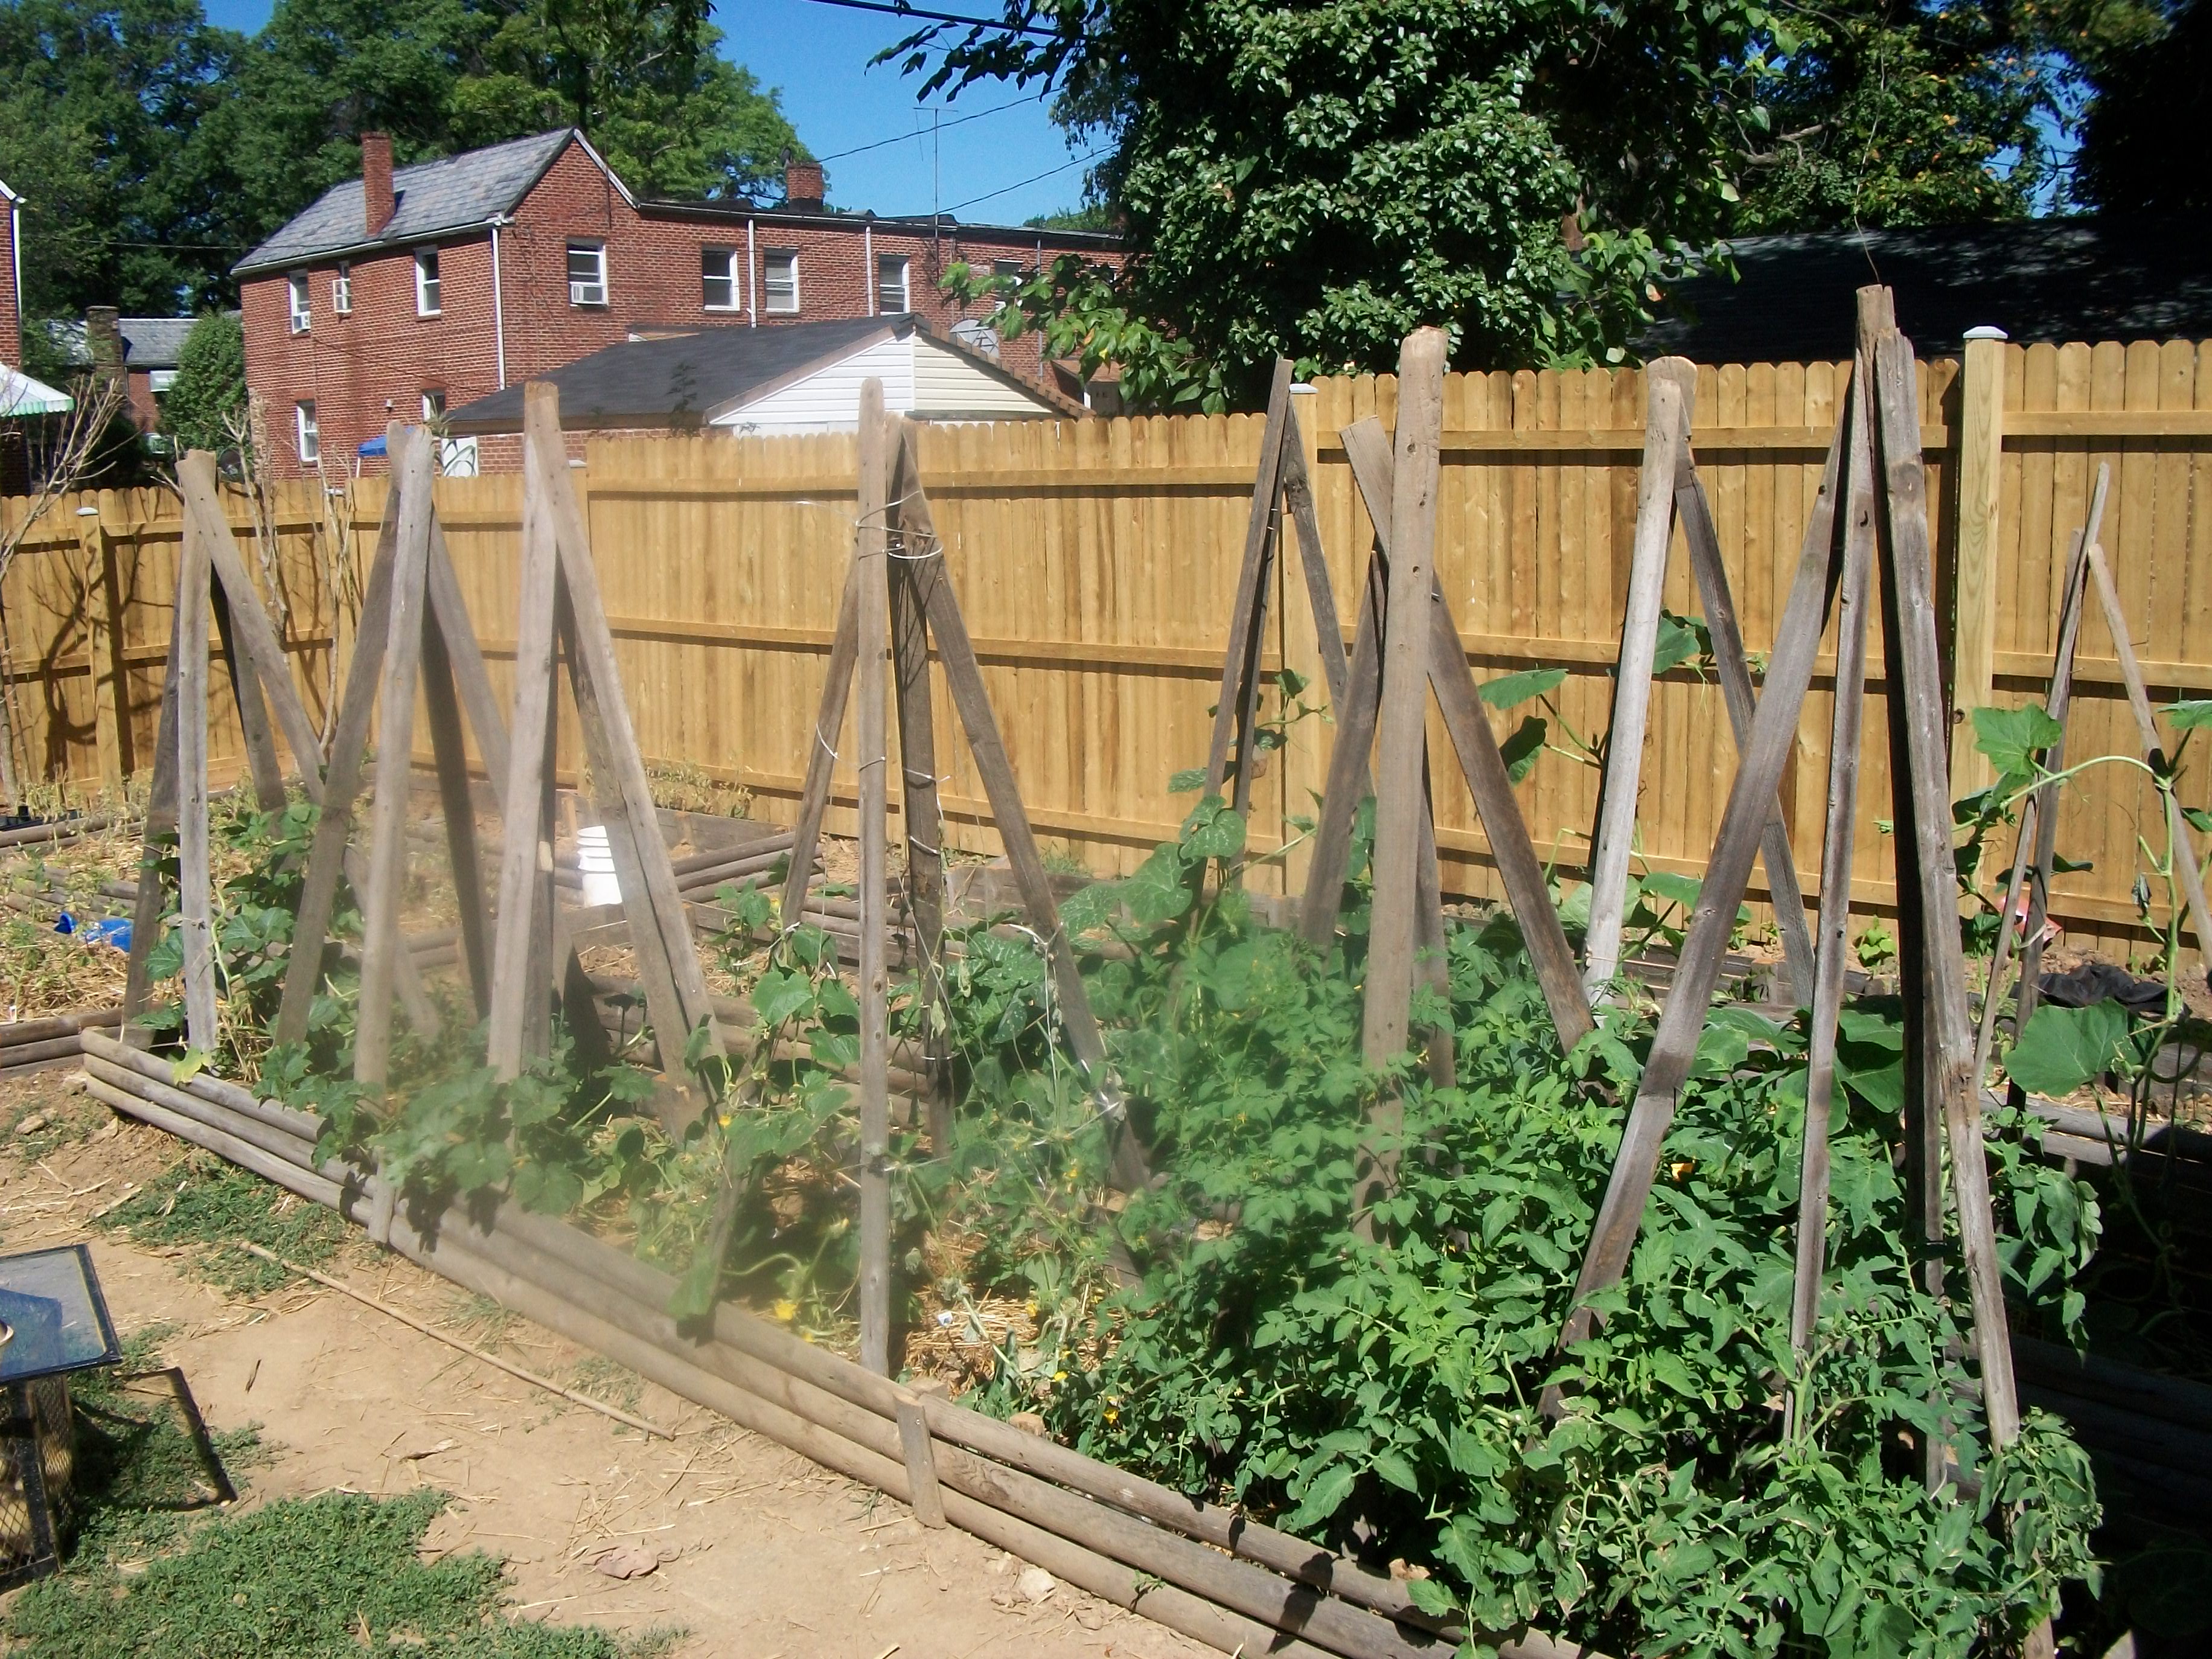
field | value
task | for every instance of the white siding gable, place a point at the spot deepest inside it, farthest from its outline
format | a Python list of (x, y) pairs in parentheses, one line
[(828, 399), (949, 385), (920, 377)]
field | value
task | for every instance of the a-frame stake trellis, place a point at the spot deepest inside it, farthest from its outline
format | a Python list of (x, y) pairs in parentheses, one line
[(410, 560), (561, 614), (1671, 492), (210, 571), (1875, 464), (897, 602)]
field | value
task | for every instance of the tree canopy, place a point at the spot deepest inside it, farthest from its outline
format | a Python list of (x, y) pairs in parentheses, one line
[(2147, 117), (1315, 179), (155, 150), (208, 397)]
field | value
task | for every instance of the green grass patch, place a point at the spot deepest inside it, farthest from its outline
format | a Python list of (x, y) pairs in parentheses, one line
[(330, 1576), (206, 1202)]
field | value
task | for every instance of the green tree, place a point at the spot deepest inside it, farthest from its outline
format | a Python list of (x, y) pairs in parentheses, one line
[(1317, 179), (1876, 113), (2152, 93), (101, 106), (209, 394)]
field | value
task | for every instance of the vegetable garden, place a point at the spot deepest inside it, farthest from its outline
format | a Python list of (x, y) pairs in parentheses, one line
[(1327, 1305)]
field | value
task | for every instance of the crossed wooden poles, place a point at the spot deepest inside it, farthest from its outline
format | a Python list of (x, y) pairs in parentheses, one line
[(2035, 852), (897, 603), (210, 575), (1671, 492)]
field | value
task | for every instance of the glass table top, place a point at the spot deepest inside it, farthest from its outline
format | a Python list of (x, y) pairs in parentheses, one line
[(53, 1315)]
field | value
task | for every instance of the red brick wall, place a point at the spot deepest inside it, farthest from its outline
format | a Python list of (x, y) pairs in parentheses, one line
[(11, 321), (363, 370)]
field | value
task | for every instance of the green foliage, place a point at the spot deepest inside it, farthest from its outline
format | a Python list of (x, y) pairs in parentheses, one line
[(1872, 114), (2063, 1048), (156, 150), (2016, 739), (208, 395), (1274, 1359), (216, 1206), (2146, 63), (312, 1578)]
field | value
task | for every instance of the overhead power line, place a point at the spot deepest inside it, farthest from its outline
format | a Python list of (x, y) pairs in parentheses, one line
[(905, 137), (1080, 160), (894, 9)]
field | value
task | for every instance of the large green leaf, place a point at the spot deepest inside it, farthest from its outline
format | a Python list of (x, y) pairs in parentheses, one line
[(1521, 749), (2013, 738), (2063, 1048), (2190, 715), (1511, 691)]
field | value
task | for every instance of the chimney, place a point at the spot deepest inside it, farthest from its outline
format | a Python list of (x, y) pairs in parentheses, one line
[(376, 179), (803, 184), (103, 342)]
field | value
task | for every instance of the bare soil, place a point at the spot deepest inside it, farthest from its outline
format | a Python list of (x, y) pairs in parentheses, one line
[(760, 1552)]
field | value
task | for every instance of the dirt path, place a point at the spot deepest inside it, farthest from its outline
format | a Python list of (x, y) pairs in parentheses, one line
[(760, 1552)]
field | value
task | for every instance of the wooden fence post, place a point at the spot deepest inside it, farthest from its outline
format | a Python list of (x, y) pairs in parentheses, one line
[(1980, 442)]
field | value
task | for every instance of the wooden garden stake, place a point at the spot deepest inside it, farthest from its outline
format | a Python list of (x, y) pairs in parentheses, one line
[(1773, 734), (1238, 707), (963, 679), (1733, 669), (160, 821), (1670, 383), (2039, 813), (195, 901), (381, 944), (821, 757), (2185, 867), (923, 819), (870, 567), (1402, 720), (519, 991), (1833, 954), (1459, 701)]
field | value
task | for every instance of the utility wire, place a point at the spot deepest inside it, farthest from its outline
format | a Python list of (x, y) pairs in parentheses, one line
[(977, 115), (895, 9), (1080, 160)]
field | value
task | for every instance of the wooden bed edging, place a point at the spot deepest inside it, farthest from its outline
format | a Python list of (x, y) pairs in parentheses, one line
[(1199, 1570)]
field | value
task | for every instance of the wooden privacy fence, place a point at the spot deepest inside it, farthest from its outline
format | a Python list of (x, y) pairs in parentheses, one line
[(1097, 562)]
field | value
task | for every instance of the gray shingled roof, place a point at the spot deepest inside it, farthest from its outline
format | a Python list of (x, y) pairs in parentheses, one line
[(2040, 280), (148, 342), (433, 198)]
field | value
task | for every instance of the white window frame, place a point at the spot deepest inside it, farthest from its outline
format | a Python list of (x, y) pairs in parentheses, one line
[(429, 292), (306, 434), (584, 291), (904, 266), (434, 407), (1004, 268), (300, 306), (772, 302), (457, 458), (159, 381), (728, 256), (342, 290)]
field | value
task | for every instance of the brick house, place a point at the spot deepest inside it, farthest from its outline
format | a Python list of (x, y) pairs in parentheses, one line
[(144, 350), (417, 291)]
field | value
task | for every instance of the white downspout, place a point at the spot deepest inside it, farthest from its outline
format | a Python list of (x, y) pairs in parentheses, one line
[(498, 312), (752, 279), (868, 264)]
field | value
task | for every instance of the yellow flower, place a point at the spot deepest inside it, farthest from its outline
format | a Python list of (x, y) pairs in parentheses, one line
[(1060, 1376), (1113, 1416), (785, 1311)]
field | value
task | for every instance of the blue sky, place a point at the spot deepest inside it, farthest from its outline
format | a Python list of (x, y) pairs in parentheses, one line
[(818, 56)]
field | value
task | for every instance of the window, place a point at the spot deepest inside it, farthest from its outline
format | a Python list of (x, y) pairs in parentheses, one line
[(342, 291), (301, 315), (426, 303), (588, 273), (310, 440), (780, 280), (434, 408), (718, 279), (891, 284), (1002, 268), (457, 458), (159, 381)]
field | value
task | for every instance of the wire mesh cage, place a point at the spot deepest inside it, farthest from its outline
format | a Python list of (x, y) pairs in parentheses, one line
[(53, 1321)]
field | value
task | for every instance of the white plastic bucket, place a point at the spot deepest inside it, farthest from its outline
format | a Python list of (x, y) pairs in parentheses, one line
[(596, 864)]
